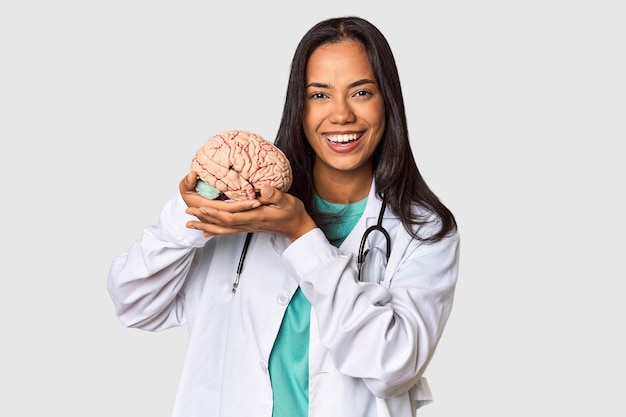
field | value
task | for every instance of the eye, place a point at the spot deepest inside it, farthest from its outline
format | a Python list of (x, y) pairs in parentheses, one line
[(362, 93), (317, 96)]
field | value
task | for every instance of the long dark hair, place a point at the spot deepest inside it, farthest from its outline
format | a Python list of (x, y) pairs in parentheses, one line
[(396, 175)]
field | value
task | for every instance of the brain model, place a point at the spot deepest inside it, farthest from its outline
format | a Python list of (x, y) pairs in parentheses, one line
[(234, 164)]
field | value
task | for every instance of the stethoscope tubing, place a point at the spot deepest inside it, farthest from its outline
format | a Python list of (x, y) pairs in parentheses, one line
[(377, 227), (242, 258), (360, 258)]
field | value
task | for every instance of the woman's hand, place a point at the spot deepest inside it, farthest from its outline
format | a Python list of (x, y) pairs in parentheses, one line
[(273, 211)]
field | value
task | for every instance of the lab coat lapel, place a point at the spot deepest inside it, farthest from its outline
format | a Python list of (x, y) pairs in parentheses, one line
[(369, 218), (399, 237)]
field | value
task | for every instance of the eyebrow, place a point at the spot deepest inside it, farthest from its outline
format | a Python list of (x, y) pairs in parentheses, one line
[(351, 85)]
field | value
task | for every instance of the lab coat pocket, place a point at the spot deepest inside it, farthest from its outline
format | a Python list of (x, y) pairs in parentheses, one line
[(374, 266)]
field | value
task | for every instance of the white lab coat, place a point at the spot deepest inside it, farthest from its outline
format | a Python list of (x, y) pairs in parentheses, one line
[(369, 343)]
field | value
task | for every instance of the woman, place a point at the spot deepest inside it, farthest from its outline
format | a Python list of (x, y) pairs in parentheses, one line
[(288, 323)]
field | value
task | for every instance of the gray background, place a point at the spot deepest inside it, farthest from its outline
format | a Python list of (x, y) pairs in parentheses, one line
[(516, 114)]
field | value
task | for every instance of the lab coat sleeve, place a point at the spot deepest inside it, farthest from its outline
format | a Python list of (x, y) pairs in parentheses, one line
[(144, 282), (384, 334)]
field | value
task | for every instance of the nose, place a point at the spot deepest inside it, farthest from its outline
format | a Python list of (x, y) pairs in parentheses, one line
[(341, 112)]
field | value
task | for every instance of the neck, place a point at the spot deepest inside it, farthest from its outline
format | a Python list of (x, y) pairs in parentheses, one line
[(343, 187)]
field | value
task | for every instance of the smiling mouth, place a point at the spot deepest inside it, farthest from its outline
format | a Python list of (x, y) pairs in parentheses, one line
[(343, 138)]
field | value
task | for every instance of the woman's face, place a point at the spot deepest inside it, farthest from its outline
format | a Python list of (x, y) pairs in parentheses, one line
[(344, 113)]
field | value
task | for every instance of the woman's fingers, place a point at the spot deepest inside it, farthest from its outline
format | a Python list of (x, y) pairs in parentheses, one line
[(211, 229), (273, 211)]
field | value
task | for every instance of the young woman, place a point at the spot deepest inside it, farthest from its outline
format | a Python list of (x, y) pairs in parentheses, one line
[(285, 318)]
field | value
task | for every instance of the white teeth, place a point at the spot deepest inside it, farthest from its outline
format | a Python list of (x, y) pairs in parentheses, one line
[(342, 138)]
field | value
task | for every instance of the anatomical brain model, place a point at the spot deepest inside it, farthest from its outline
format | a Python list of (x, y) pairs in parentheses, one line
[(234, 164)]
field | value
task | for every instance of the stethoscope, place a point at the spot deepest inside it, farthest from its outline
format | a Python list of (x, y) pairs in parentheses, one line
[(378, 227)]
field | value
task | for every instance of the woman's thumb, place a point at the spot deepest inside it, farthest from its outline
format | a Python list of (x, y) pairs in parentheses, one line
[(267, 192)]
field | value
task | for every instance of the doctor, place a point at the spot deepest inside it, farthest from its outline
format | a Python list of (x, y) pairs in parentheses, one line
[(288, 323)]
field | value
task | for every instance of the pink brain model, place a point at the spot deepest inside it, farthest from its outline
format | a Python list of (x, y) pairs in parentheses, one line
[(237, 163)]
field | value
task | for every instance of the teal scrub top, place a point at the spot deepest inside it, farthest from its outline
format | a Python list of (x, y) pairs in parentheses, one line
[(289, 360)]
